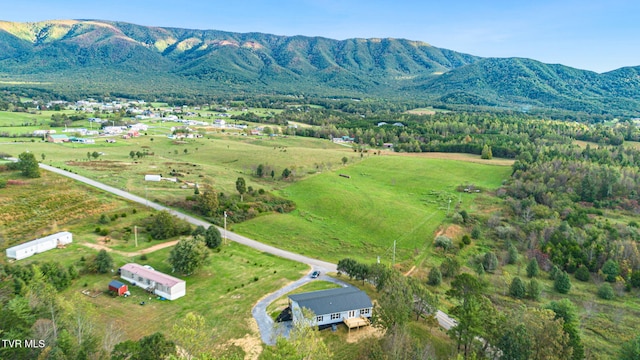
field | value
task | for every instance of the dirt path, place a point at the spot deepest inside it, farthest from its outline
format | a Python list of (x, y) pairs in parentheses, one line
[(133, 253)]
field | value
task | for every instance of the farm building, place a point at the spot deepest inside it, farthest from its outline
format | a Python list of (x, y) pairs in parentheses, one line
[(152, 178), (118, 287), (159, 283), (347, 304), (27, 249), (53, 138)]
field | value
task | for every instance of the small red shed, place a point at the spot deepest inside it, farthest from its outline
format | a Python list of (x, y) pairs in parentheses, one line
[(118, 287)]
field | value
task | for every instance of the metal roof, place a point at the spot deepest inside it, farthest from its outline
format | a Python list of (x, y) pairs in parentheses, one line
[(153, 275), (116, 284), (333, 300)]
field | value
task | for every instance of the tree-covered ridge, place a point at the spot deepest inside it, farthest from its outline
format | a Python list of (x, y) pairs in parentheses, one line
[(87, 57)]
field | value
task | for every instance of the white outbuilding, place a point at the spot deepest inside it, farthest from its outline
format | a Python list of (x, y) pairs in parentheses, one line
[(27, 249), (152, 178)]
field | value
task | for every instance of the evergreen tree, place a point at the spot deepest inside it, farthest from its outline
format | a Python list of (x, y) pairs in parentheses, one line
[(566, 310), (630, 350), (605, 291), (534, 289), (611, 269), (435, 277), (582, 273), (512, 254), (212, 237), (490, 262), (517, 288), (103, 262), (562, 282), (532, 268)]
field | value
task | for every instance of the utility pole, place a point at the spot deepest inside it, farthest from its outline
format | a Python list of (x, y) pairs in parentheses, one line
[(448, 207), (146, 199), (135, 232), (225, 227)]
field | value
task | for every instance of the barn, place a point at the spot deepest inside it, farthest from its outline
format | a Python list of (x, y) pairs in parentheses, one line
[(345, 304), (46, 243), (118, 287), (159, 283)]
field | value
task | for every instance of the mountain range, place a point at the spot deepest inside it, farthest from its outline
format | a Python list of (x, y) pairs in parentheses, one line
[(84, 57)]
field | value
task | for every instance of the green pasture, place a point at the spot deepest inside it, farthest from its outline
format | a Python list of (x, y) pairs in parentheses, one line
[(223, 291), (385, 199), (216, 160)]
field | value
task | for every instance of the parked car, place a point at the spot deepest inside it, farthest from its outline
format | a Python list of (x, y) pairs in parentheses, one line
[(315, 274)]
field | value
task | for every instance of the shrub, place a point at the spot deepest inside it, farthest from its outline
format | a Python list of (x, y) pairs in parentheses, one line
[(582, 273), (104, 232), (475, 233), (532, 268), (444, 242), (466, 239), (605, 291), (143, 257), (457, 218), (449, 267), (104, 219)]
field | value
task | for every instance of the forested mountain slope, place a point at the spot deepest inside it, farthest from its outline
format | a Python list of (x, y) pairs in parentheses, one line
[(84, 56)]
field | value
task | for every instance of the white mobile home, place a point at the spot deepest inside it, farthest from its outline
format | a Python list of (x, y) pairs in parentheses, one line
[(159, 283), (332, 306), (152, 178), (27, 249)]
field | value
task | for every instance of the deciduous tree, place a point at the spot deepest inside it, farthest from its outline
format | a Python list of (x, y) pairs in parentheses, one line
[(241, 186), (188, 255)]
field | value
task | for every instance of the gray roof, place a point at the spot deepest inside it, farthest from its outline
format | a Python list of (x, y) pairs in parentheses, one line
[(333, 300)]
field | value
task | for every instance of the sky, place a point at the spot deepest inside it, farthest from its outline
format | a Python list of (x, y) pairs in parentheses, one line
[(594, 35)]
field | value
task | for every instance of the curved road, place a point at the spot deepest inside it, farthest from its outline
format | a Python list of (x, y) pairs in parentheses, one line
[(259, 311)]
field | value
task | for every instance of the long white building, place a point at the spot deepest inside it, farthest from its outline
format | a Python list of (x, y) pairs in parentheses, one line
[(27, 249), (161, 284)]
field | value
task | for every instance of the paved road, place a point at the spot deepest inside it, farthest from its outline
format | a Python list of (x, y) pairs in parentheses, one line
[(260, 309), (322, 265)]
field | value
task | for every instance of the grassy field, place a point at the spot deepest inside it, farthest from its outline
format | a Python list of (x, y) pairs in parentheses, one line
[(385, 199), (224, 291), (217, 160)]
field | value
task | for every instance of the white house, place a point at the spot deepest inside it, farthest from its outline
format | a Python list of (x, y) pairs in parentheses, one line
[(161, 284), (332, 306), (27, 249)]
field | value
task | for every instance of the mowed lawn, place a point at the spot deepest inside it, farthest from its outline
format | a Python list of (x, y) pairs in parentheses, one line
[(385, 199)]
